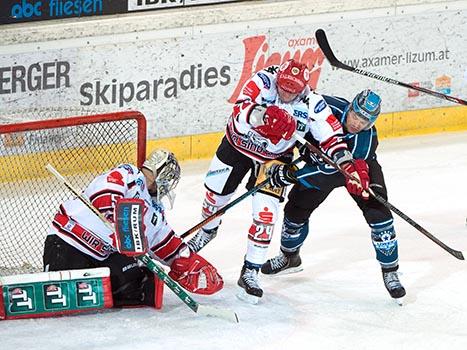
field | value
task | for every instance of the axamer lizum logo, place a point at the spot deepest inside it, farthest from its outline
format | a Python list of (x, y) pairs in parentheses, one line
[(55, 8)]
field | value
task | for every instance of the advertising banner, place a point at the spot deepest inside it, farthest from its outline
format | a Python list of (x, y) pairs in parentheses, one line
[(203, 2), (16, 11), (142, 5), (186, 85)]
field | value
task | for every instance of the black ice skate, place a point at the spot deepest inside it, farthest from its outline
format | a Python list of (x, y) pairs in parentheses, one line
[(202, 238), (282, 264), (249, 284), (393, 284)]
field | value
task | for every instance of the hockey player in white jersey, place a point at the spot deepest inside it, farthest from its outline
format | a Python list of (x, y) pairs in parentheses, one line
[(274, 104), (78, 239)]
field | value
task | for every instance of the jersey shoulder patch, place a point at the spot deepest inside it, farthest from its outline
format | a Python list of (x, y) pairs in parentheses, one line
[(334, 123), (131, 169), (320, 106), (265, 79), (251, 89), (115, 177)]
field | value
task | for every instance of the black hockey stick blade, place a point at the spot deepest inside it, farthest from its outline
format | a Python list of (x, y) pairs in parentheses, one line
[(327, 51)]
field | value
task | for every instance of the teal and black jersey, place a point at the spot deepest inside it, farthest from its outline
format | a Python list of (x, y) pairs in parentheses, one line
[(317, 180), (363, 144)]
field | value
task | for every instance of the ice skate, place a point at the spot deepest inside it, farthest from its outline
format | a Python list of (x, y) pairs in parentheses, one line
[(250, 291), (283, 264), (393, 285), (202, 238)]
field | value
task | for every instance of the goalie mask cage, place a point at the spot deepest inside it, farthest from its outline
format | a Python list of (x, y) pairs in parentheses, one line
[(80, 148)]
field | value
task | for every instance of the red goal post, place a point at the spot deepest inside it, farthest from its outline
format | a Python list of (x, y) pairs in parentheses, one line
[(79, 147)]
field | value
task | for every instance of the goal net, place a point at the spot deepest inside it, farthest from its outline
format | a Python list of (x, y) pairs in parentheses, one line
[(79, 147)]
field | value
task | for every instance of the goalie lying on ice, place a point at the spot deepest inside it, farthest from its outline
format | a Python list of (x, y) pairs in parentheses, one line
[(78, 239)]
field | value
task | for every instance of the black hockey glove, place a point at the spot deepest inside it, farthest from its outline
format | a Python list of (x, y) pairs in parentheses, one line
[(307, 156), (281, 175)]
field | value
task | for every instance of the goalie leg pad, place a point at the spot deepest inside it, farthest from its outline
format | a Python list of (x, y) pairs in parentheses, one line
[(56, 293), (59, 255), (195, 274), (127, 280)]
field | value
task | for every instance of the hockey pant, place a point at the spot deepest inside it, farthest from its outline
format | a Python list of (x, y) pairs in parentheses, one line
[(227, 170), (131, 284), (315, 184)]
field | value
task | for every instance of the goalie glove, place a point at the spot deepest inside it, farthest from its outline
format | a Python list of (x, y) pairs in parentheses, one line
[(281, 175), (195, 274)]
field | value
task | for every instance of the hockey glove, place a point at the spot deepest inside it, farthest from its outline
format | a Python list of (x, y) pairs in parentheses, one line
[(307, 156), (278, 124), (334, 147), (281, 175), (359, 170), (195, 274)]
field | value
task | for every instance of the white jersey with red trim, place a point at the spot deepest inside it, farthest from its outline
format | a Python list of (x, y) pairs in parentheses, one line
[(308, 108), (77, 225)]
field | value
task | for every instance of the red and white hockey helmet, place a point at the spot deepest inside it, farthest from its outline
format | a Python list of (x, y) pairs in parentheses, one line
[(293, 76)]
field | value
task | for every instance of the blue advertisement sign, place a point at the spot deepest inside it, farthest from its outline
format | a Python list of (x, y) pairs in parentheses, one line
[(16, 11)]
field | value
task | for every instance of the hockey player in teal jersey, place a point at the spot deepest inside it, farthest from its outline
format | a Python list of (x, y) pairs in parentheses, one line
[(315, 181)]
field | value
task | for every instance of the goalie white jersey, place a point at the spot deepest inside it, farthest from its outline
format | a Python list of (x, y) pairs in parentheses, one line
[(77, 225), (309, 109)]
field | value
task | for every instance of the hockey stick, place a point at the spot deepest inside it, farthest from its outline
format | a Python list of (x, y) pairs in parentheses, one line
[(326, 48), (228, 206), (151, 264), (456, 253)]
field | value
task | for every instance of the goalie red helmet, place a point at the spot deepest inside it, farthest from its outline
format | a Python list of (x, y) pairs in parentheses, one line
[(293, 76)]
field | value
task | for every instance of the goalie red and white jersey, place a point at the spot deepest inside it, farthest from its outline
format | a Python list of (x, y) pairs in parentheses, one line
[(77, 225), (309, 109)]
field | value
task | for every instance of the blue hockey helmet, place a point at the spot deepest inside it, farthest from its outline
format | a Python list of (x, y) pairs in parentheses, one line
[(367, 105)]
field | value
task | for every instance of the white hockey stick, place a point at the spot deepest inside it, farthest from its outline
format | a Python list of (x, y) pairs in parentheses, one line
[(152, 264)]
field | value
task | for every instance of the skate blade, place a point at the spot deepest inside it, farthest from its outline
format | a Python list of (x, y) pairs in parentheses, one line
[(288, 271), (399, 301), (248, 298)]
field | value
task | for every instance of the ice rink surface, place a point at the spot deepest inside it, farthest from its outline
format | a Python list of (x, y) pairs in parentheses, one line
[(338, 301)]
